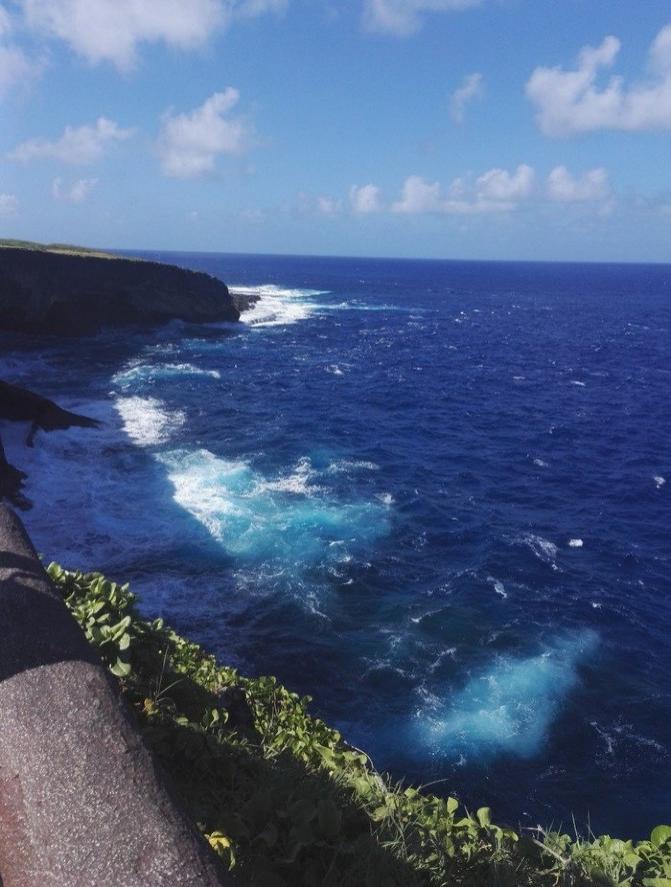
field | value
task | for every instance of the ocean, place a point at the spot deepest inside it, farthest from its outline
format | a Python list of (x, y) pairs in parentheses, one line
[(434, 496)]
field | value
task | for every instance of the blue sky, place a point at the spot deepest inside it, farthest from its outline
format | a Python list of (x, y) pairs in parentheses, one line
[(502, 129)]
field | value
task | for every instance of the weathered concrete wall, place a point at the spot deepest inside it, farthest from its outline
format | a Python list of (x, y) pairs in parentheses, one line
[(81, 800)]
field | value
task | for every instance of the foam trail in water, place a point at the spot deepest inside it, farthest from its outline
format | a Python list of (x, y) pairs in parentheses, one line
[(252, 517), (659, 481), (510, 707), (142, 373)]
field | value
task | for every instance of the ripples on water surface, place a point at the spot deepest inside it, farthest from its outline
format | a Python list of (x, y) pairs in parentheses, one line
[(432, 495)]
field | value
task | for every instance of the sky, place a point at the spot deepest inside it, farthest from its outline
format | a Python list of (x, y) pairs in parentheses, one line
[(462, 129)]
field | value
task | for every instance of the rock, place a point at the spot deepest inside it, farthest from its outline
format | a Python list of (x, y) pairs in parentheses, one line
[(11, 482), (82, 800), (62, 293), (21, 405)]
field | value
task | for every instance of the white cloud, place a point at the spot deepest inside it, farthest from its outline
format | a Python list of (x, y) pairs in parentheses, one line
[(15, 69), (563, 187), (495, 191), (403, 17), (420, 196), (8, 204), (365, 199), (76, 192), (5, 22), (111, 30), (190, 143), (470, 89), (570, 102), (328, 206), (79, 145), (499, 184)]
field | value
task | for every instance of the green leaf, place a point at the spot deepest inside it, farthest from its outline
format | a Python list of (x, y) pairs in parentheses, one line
[(660, 835), (656, 882), (452, 805), (120, 669), (484, 815)]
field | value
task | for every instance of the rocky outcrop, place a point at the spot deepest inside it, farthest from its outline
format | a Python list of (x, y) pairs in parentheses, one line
[(82, 800), (21, 405), (71, 294)]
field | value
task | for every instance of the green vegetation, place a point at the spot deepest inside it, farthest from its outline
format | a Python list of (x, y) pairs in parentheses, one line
[(285, 801), (63, 248)]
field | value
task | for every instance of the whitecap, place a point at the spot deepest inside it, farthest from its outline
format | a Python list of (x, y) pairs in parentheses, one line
[(499, 587), (139, 373), (575, 543), (578, 383), (659, 481), (276, 305), (542, 548), (147, 421), (540, 463), (344, 466)]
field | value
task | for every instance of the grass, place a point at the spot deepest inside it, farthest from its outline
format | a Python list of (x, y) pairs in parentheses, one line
[(61, 248), (284, 800)]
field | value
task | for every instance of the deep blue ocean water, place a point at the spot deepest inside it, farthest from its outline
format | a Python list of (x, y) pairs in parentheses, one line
[(432, 495)]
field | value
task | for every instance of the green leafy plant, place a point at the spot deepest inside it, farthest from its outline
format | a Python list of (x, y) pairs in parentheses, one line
[(284, 800)]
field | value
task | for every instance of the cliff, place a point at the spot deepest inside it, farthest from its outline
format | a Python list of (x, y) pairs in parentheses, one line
[(69, 291)]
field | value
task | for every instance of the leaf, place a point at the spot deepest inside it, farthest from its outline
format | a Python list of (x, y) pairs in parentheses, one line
[(656, 882), (452, 805), (484, 815), (660, 835), (120, 669)]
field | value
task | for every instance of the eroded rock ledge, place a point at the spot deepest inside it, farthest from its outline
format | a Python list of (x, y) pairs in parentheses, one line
[(72, 293)]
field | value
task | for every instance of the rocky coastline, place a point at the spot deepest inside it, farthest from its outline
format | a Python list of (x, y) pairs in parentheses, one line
[(55, 292)]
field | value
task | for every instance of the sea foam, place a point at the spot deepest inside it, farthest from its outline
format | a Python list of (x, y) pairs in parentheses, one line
[(257, 518), (508, 708)]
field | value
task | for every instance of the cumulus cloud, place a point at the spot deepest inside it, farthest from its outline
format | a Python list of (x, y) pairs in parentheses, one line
[(328, 206), (499, 184), (564, 187), (112, 30), (16, 68), (571, 101), (470, 89), (81, 145), (75, 192), (8, 204), (403, 17), (365, 199), (494, 191), (190, 143)]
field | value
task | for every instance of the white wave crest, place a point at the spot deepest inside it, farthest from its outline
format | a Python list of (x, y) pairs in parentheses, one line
[(498, 586), (144, 372), (276, 305), (147, 421), (542, 548)]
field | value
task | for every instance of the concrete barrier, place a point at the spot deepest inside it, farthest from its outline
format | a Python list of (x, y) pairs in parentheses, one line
[(82, 802)]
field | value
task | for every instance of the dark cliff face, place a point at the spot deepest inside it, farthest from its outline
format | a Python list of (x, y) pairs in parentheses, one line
[(46, 292)]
